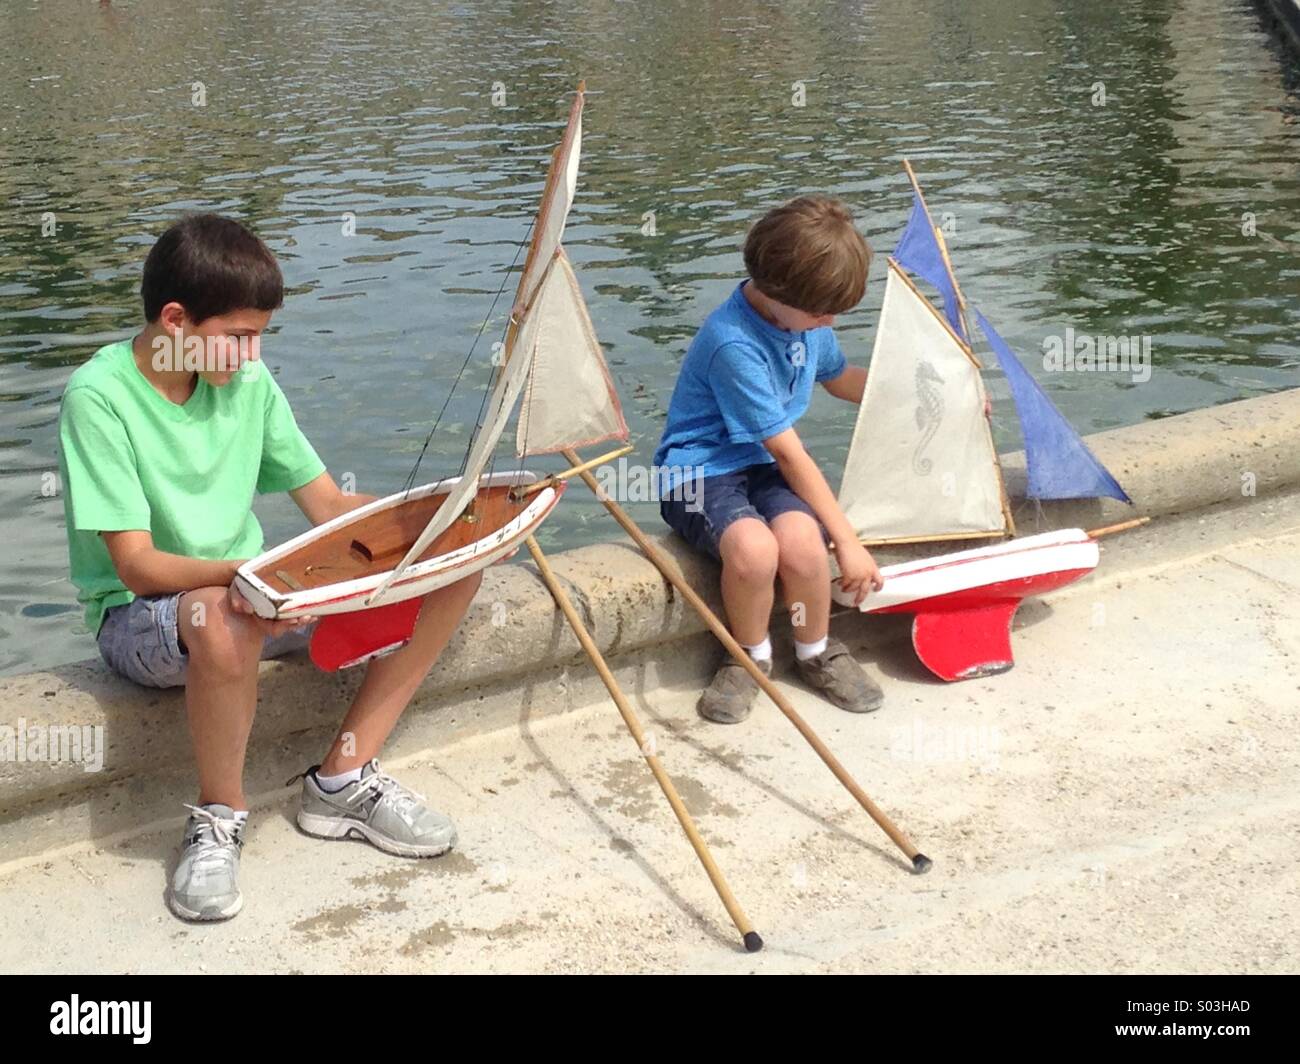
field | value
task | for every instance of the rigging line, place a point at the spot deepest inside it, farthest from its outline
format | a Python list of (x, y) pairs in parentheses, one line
[(492, 458), (410, 480), (528, 423), (493, 379)]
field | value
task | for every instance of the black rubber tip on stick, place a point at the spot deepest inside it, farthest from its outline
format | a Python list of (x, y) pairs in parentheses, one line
[(753, 943), (921, 864)]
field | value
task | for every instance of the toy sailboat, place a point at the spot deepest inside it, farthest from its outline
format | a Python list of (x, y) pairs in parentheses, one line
[(383, 557), (922, 468)]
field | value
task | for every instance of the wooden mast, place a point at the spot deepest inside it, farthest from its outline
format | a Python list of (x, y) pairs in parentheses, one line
[(961, 313), (517, 309)]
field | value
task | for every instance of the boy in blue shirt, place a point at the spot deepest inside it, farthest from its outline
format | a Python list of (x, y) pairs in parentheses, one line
[(762, 505)]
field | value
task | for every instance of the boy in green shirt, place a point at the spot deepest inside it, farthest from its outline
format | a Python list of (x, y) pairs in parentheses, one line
[(165, 439)]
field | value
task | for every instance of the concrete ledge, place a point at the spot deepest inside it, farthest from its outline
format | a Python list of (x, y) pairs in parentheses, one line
[(511, 659), (1186, 462)]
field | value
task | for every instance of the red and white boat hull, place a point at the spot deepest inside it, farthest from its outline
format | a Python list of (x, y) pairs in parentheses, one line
[(418, 579), (964, 602)]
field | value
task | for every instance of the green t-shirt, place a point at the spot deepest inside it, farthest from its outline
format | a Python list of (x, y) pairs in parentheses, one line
[(131, 459)]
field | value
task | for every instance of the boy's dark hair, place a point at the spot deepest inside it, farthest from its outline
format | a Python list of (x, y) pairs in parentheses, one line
[(210, 265), (808, 255)]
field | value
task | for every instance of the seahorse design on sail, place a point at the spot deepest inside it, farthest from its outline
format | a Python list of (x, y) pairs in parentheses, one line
[(929, 413)]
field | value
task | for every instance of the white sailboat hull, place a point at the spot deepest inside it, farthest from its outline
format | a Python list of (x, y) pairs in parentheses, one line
[(1010, 570), (419, 578)]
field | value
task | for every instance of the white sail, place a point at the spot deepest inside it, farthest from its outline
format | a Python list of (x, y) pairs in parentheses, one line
[(570, 400), (922, 462), (509, 384), (534, 283), (561, 185)]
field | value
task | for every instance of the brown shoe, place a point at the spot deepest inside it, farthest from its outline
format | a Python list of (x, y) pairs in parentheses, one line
[(841, 679), (730, 697)]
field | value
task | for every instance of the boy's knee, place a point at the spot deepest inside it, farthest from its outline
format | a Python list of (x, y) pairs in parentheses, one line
[(803, 554), (216, 636), (750, 552)]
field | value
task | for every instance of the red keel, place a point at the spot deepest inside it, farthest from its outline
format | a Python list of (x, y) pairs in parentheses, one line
[(967, 634), (342, 640), (965, 644)]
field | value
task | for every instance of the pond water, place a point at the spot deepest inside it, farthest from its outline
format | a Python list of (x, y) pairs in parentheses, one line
[(1129, 168)]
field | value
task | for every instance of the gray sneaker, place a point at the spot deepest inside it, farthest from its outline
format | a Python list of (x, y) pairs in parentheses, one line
[(205, 884), (730, 696), (839, 677), (378, 809)]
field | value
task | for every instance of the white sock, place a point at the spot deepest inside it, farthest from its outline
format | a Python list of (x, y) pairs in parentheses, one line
[(337, 783), (240, 814), (804, 651), (760, 651)]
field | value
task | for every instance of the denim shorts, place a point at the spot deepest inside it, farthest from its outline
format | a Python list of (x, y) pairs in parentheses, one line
[(141, 641), (757, 491)]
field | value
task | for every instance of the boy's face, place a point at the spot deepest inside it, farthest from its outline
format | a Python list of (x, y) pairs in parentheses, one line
[(219, 346)]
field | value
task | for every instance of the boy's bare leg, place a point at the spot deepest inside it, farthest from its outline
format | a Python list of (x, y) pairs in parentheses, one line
[(220, 690), (391, 681), (749, 564), (806, 580), (805, 571)]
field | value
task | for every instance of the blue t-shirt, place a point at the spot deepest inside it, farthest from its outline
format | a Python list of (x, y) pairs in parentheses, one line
[(743, 381)]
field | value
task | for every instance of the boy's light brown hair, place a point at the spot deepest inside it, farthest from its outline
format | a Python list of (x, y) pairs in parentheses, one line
[(809, 255)]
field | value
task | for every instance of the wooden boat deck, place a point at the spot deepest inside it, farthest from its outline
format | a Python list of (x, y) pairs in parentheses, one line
[(375, 543)]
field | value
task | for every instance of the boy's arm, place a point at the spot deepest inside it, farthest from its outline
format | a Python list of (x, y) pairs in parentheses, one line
[(145, 570), (849, 385), (105, 496), (322, 500), (751, 412), (858, 570)]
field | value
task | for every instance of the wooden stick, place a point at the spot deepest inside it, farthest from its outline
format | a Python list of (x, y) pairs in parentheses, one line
[(965, 327), (753, 942), (920, 863), (1002, 485), (941, 318), (999, 533), (938, 239), (552, 179), (916, 188), (1123, 526), (518, 310), (546, 482), (956, 288)]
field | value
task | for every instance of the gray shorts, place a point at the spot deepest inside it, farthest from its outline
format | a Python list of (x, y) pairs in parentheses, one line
[(141, 641)]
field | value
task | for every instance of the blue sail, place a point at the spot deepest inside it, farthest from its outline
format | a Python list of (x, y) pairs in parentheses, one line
[(918, 252), (1059, 463)]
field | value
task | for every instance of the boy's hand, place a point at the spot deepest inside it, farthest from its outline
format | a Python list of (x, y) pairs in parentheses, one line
[(859, 573), (269, 627)]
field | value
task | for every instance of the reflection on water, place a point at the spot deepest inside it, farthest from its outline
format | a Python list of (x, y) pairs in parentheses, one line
[(1122, 218)]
